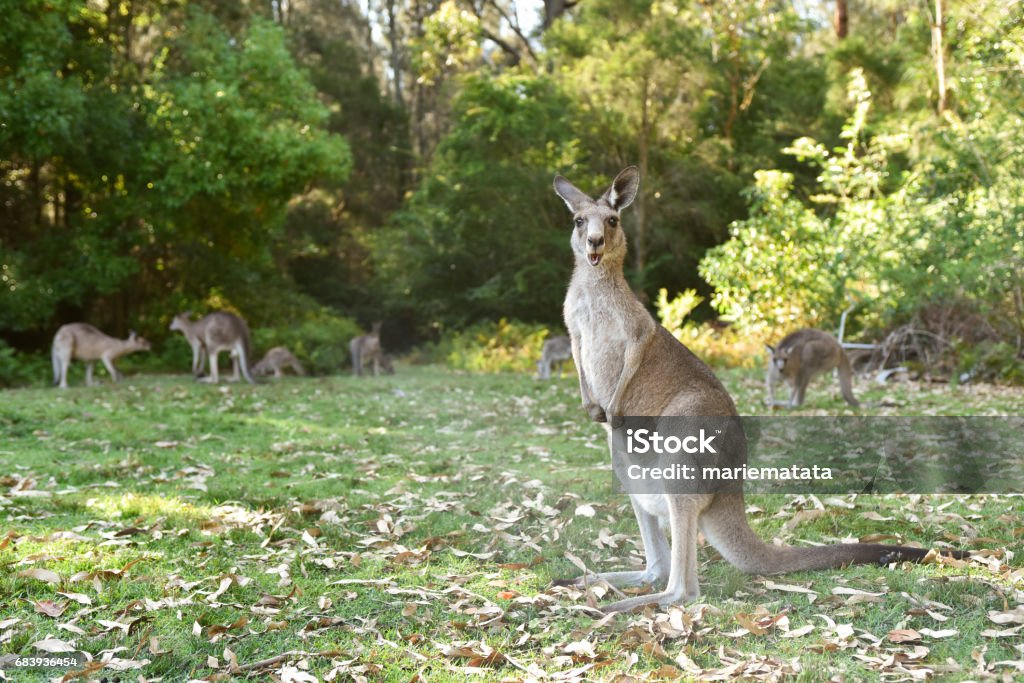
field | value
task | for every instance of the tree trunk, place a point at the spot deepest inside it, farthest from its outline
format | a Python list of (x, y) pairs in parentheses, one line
[(640, 213), (553, 9), (841, 19), (395, 40), (940, 65)]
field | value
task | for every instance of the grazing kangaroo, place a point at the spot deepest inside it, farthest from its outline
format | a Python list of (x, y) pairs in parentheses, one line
[(84, 342), (629, 365), (555, 350), (276, 361), (799, 357), (367, 348), (218, 331)]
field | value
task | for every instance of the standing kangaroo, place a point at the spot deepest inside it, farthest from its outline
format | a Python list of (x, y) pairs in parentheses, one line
[(630, 366), (84, 342), (799, 357), (218, 331), (555, 350), (276, 360), (366, 348)]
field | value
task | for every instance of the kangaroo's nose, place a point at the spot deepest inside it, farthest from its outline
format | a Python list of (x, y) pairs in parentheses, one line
[(595, 242)]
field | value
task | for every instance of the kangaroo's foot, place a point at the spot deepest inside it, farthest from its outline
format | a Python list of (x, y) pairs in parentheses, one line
[(661, 599), (629, 579)]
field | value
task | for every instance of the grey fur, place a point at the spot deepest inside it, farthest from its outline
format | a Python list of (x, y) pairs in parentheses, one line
[(218, 331), (556, 350), (276, 361), (799, 357), (630, 365), (82, 341)]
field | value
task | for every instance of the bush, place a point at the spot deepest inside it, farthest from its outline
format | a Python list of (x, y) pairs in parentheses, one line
[(21, 369), (503, 346), (719, 345), (320, 342)]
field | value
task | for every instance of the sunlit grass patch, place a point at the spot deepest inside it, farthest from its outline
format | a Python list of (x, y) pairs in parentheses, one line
[(414, 524)]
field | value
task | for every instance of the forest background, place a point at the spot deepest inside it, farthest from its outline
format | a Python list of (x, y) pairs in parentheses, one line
[(315, 165)]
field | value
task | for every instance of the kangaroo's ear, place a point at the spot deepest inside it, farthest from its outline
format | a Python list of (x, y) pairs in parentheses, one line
[(132, 334), (770, 349), (623, 190), (573, 197)]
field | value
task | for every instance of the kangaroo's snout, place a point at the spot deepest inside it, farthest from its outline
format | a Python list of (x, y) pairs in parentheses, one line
[(595, 249)]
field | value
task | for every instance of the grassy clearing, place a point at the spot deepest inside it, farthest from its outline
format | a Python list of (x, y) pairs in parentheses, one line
[(412, 525)]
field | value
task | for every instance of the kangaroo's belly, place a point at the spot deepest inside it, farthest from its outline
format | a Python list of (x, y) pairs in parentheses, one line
[(602, 347)]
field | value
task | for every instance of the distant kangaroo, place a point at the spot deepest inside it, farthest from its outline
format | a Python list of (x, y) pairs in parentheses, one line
[(367, 348), (81, 341), (799, 357), (218, 331), (276, 361), (555, 350), (629, 365)]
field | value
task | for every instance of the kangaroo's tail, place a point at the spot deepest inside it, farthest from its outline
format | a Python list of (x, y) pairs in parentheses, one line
[(726, 528), (55, 360), (243, 348)]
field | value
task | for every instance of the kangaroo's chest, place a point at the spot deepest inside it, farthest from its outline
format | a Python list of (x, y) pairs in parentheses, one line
[(603, 337)]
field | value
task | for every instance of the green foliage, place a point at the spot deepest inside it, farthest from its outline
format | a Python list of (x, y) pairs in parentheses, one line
[(484, 236), (717, 345), (788, 265), (22, 369), (134, 175), (319, 342), (502, 346)]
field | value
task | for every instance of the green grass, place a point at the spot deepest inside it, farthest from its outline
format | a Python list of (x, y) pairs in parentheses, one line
[(412, 524)]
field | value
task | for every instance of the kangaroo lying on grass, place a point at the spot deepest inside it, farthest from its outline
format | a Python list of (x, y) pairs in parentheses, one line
[(555, 350), (218, 331), (84, 342), (276, 361), (799, 357), (629, 365), (366, 348)]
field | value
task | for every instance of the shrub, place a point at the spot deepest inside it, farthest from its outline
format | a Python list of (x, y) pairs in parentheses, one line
[(22, 369), (721, 345), (502, 346)]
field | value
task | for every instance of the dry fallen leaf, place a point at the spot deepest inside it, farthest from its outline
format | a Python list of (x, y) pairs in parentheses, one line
[(50, 608), (40, 574), (53, 645), (903, 635)]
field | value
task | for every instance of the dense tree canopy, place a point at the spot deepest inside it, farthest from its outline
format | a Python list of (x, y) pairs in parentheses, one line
[(392, 158)]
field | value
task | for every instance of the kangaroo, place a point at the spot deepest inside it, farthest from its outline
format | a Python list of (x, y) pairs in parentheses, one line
[(629, 365), (276, 361), (367, 348), (555, 350), (84, 342), (799, 357), (218, 331)]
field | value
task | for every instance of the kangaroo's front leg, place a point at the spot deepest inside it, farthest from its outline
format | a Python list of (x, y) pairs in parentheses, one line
[(684, 511), (656, 552), (595, 411), (635, 352), (111, 368)]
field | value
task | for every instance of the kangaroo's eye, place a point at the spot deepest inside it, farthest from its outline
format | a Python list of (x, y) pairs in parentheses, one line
[(613, 221), (579, 221)]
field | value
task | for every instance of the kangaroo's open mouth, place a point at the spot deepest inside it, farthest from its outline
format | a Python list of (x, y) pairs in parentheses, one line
[(594, 258)]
